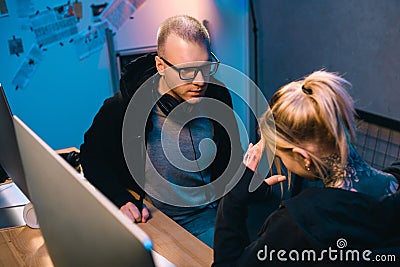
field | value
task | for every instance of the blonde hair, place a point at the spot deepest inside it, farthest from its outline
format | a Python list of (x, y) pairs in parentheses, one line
[(185, 27), (315, 110)]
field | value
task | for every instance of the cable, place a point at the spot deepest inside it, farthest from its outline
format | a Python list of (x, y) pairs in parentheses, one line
[(207, 193), (194, 151), (253, 121), (255, 30)]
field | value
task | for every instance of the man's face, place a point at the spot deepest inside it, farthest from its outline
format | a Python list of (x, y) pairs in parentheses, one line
[(182, 54)]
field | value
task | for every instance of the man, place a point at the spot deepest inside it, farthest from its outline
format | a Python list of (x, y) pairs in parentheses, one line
[(181, 72)]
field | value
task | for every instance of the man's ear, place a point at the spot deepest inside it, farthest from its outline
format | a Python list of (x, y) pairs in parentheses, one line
[(303, 154), (159, 65)]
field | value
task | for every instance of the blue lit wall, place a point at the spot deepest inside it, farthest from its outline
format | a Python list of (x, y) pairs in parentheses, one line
[(64, 93)]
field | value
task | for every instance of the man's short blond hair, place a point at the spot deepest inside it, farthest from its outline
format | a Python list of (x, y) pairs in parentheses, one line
[(185, 27)]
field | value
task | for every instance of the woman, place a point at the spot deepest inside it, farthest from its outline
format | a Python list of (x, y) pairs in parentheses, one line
[(314, 123)]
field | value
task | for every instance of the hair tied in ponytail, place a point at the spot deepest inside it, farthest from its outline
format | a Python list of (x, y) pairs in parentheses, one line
[(306, 90)]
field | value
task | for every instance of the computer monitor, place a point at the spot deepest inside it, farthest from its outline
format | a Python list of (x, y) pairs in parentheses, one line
[(10, 158), (80, 226)]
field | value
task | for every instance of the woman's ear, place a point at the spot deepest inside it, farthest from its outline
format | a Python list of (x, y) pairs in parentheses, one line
[(159, 65), (304, 155)]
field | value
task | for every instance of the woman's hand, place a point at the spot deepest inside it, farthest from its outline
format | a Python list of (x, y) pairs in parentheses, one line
[(253, 155), (274, 179), (252, 159)]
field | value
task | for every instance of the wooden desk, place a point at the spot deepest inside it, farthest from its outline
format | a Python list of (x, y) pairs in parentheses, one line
[(23, 246), (174, 242), (67, 150)]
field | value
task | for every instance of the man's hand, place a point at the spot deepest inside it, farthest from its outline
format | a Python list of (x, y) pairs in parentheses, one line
[(132, 212)]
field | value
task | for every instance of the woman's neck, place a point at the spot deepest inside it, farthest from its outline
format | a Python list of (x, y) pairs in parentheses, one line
[(334, 171)]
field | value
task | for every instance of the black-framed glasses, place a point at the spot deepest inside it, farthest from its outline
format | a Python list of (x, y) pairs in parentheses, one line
[(189, 73)]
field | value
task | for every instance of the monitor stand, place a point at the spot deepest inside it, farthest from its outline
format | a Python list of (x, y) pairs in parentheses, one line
[(15, 208)]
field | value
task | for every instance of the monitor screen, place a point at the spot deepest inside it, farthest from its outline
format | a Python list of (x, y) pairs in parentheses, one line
[(10, 159)]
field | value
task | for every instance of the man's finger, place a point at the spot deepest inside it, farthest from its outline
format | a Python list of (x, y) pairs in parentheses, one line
[(125, 210), (131, 211), (145, 214), (135, 212), (274, 179)]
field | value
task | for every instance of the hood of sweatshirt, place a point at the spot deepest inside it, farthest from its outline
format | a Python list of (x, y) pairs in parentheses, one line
[(135, 73), (327, 215)]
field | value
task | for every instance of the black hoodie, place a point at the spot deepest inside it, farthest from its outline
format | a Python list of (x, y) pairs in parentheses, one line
[(102, 156), (317, 219)]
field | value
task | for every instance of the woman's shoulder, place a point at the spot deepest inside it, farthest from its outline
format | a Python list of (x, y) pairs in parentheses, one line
[(387, 180), (366, 179)]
